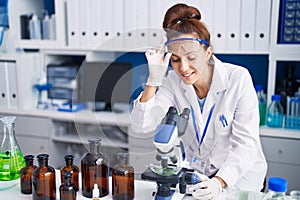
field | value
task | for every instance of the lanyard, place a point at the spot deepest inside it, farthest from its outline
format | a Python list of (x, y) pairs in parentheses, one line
[(206, 125)]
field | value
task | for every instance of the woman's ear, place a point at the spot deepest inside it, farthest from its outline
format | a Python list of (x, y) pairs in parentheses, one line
[(209, 52)]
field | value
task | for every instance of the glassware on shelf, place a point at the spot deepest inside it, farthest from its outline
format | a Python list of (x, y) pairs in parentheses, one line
[(11, 157), (275, 113), (262, 104), (67, 189), (70, 167), (95, 169), (26, 175), (43, 180), (123, 178)]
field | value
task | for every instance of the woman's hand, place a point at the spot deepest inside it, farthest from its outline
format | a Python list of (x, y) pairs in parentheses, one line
[(158, 65), (207, 188)]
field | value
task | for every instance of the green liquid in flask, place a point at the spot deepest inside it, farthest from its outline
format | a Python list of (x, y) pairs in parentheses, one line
[(10, 165)]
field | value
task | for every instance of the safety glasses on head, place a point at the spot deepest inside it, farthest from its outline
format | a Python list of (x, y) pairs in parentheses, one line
[(181, 46)]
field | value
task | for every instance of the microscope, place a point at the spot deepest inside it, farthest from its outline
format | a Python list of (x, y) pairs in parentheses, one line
[(172, 175)]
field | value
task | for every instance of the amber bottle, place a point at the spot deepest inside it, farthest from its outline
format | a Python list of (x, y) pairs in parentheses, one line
[(123, 179), (94, 166), (67, 189), (70, 167), (43, 180), (26, 175)]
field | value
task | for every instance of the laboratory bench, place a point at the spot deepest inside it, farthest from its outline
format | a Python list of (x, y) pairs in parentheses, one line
[(143, 191), (59, 133)]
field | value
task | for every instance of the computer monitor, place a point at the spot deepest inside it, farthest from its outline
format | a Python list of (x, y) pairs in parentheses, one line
[(105, 83)]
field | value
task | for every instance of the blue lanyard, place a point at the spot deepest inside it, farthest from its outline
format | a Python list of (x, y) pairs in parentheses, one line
[(206, 125)]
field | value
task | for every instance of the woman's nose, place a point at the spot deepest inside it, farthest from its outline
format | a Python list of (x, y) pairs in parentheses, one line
[(184, 65)]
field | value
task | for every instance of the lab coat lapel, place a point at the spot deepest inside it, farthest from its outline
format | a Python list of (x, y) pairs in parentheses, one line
[(217, 90)]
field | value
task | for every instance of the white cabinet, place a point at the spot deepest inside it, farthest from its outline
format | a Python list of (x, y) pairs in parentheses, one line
[(283, 159)]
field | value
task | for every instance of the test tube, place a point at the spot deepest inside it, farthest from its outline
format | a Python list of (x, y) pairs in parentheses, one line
[(288, 113), (292, 111)]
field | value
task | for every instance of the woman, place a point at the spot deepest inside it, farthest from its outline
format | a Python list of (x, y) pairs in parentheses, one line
[(222, 137)]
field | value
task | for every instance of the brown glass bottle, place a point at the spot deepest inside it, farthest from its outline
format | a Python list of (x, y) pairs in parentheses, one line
[(67, 189), (43, 180), (70, 167), (94, 166), (26, 175), (123, 179)]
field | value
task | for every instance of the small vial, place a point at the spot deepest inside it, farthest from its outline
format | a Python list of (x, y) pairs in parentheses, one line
[(26, 175), (70, 167), (96, 192), (67, 189), (123, 179), (43, 180)]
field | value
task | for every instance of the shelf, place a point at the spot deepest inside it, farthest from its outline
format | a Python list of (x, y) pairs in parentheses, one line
[(279, 132), (76, 140)]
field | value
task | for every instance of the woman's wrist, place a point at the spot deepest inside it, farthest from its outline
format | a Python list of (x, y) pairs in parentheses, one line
[(148, 93)]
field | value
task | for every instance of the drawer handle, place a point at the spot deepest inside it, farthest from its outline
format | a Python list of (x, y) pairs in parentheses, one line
[(280, 151)]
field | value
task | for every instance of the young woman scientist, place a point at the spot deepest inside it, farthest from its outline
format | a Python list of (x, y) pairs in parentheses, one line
[(222, 138)]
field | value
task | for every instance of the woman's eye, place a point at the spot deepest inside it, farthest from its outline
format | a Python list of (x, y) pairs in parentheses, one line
[(191, 57), (175, 60)]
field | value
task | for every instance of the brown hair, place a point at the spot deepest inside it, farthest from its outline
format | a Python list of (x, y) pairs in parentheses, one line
[(183, 19)]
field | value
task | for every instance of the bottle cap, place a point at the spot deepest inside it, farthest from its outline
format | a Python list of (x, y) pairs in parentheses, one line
[(28, 157), (43, 157), (277, 184), (96, 190), (258, 87), (69, 157), (94, 140), (276, 97), (122, 155)]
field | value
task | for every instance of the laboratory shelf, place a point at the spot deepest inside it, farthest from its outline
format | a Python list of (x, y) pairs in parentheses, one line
[(280, 132)]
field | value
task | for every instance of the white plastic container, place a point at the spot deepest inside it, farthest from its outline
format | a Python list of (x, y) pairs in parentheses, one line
[(46, 28), (35, 31)]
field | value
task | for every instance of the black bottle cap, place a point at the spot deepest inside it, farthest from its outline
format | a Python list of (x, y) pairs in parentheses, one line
[(69, 157), (43, 157), (28, 157)]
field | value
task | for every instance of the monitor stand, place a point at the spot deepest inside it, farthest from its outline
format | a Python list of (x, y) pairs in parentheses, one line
[(105, 107)]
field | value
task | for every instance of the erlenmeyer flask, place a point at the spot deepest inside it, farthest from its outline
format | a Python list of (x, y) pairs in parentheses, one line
[(11, 157)]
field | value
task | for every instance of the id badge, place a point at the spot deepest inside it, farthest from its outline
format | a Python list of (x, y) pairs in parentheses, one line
[(199, 164)]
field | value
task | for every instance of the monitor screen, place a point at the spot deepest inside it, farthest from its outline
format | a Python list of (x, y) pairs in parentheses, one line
[(105, 82)]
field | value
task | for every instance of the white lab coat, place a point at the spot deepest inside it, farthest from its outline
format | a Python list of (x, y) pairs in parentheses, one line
[(235, 150)]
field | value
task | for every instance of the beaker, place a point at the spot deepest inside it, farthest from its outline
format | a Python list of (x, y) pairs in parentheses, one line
[(11, 157)]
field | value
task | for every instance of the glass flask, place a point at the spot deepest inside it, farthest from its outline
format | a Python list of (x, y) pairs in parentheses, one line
[(11, 157), (123, 179), (43, 180), (277, 188), (94, 167), (67, 189), (26, 175), (70, 167)]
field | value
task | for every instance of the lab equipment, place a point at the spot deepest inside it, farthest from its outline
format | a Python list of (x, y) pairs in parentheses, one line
[(11, 157), (170, 152), (275, 113), (70, 167), (42, 87), (123, 178), (43, 180), (292, 118), (262, 104), (26, 175), (295, 194), (95, 169), (67, 190), (46, 27), (277, 188)]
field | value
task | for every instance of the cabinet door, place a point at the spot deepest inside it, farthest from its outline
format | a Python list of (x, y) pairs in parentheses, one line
[(33, 145)]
